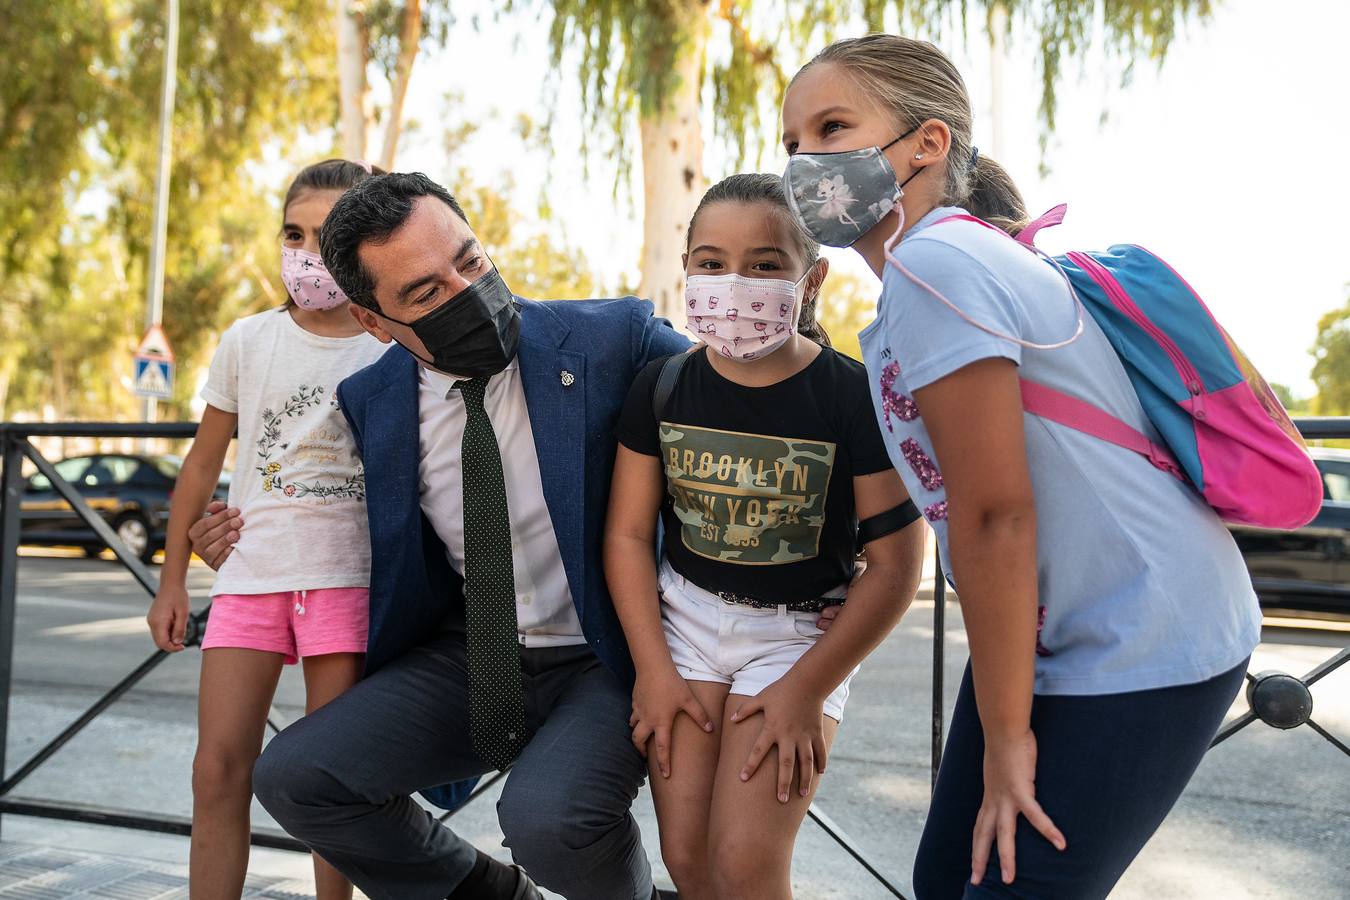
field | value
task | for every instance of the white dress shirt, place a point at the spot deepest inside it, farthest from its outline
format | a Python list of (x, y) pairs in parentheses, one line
[(545, 616)]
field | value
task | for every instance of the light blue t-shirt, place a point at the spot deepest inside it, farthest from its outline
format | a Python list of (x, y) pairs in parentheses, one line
[(1141, 585)]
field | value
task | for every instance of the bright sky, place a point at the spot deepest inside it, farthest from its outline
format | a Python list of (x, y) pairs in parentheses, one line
[(1229, 162)]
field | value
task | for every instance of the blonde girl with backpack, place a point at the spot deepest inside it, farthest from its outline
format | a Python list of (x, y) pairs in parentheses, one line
[(1109, 613)]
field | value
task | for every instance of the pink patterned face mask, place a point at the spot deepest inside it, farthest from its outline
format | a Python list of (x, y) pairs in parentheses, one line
[(307, 280), (742, 318)]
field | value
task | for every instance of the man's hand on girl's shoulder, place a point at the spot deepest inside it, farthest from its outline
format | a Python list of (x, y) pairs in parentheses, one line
[(827, 617), (214, 535)]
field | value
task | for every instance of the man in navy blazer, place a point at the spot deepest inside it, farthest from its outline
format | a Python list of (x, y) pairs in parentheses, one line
[(539, 385)]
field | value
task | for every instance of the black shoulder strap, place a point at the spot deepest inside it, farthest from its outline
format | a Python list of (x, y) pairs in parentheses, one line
[(888, 522), (666, 380)]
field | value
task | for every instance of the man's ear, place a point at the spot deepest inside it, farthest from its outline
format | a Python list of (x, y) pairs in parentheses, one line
[(370, 322)]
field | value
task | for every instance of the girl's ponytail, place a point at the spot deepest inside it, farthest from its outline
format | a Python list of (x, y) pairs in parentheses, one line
[(994, 197)]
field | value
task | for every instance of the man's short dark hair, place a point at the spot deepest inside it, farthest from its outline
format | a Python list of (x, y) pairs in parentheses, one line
[(372, 211)]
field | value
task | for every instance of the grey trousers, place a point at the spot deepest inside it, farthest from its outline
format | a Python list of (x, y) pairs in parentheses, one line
[(339, 780)]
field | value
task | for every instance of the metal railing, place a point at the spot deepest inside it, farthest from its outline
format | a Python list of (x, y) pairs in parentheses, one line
[(1279, 699)]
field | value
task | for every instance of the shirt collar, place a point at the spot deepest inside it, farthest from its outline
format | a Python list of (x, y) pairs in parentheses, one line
[(442, 384)]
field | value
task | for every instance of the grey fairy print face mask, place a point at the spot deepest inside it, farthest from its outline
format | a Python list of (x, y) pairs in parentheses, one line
[(839, 197)]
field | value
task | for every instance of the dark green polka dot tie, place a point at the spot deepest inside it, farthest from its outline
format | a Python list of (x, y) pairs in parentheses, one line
[(496, 706)]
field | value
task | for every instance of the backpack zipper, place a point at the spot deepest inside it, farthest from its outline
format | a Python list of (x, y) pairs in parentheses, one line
[(1121, 299)]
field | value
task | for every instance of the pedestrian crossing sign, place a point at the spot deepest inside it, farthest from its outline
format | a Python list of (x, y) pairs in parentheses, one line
[(154, 377), (153, 361), (155, 344)]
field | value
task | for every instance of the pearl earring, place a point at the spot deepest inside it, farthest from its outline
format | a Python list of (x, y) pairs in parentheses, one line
[(918, 156)]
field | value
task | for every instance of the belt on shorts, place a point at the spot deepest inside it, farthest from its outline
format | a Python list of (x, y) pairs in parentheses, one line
[(808, 606)]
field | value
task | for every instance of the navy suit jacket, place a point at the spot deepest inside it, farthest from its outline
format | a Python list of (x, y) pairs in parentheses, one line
[(602, 344)]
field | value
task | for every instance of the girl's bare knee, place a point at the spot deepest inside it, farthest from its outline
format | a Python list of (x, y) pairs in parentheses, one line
[(219, 775), (686, 859), (742, 867)]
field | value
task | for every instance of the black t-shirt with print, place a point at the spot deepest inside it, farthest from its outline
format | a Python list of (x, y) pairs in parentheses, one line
[(759, 481)]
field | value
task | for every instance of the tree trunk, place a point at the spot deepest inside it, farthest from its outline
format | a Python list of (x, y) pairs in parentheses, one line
[(409, 37), (672, 174), (353, 90)]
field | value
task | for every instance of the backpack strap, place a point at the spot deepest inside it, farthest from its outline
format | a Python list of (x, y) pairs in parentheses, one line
[(666, 380), (1027, 235), (1067, 410)]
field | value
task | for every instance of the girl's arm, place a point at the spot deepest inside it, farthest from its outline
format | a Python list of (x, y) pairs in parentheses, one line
[(877, 599), (974, 417), (196, 482), (630, 569)]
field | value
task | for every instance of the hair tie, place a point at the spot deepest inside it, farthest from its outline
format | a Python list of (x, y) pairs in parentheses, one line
[(363, 164), (974, 157)]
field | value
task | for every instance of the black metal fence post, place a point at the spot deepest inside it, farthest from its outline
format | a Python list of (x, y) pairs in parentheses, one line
[(11, 498), (939, 663)]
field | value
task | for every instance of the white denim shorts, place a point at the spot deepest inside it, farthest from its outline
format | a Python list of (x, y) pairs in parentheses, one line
[(730, 643)]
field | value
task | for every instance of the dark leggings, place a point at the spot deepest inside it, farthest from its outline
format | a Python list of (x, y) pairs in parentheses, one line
[(1108, 770)]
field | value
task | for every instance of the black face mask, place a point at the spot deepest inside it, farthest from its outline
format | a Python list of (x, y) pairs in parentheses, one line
[(474, 333)]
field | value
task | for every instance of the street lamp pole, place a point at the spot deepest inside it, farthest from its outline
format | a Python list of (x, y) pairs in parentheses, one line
[(154, 288)]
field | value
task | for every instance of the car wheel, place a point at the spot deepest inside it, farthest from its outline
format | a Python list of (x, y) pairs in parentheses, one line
[(135, 533)]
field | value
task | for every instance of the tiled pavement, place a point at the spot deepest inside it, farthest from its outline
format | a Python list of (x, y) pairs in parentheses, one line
[(31, 872)]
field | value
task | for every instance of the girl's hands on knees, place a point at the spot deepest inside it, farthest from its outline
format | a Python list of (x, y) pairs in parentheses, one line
[(657, 699), (1009, 791), (792, 723), (168, 617)]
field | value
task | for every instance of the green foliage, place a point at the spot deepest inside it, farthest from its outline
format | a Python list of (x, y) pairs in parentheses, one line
[(78, 160), (532, 261), (1331, 371), (626, 50), (1295, 406), (384, 20)]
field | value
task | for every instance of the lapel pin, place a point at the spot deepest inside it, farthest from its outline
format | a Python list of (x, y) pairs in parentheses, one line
[(568, 379)]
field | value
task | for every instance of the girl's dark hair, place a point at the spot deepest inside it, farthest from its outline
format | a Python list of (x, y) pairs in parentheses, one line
[(329, 175), (914, 82), (372, 211), (756, 187)]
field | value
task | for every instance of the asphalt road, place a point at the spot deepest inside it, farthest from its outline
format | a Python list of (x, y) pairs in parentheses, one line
[(1267, 816)]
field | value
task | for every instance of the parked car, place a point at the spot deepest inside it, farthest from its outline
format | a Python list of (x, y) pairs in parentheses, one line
[(1308, 568), (130, 491)]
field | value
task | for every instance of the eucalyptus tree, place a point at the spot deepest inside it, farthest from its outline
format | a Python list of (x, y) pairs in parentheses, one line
[(652, 61)]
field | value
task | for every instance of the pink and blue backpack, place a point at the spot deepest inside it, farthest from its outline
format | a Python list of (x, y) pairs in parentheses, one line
[(1224, 430)]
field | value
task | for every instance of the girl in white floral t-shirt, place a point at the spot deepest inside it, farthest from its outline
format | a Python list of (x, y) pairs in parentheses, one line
[(296, 586)]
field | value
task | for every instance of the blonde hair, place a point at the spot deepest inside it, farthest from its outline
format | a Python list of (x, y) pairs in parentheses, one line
[(917, 82)]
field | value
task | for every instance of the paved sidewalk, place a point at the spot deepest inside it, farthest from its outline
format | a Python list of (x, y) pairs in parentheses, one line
[(30, 872), (1267, 816)]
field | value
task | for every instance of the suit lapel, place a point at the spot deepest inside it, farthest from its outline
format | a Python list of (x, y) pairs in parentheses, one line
[(554, 381)]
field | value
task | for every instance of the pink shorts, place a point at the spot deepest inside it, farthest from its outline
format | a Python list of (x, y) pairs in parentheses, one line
[(292, 623)]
